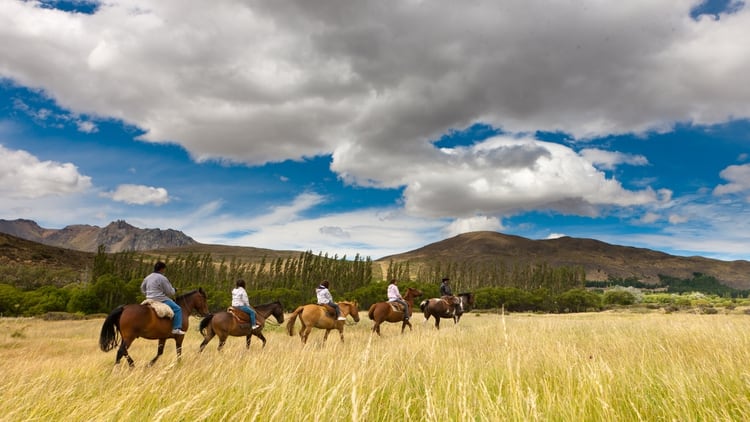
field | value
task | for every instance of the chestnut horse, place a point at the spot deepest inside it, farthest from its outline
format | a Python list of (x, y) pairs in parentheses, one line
[(224, 324), (318, 316), (440, 308), (128, 322), (383, 311)]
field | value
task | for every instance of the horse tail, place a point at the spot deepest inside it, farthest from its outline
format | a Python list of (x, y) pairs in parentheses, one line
[(292, 320), (204, 323), (109, 337), (423, 305), (371, 312)]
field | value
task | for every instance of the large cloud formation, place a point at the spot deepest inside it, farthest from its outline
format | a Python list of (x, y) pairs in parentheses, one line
[(376, 83), (23, 176)]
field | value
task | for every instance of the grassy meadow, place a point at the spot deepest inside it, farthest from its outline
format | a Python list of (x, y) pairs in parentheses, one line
[(610, 366)]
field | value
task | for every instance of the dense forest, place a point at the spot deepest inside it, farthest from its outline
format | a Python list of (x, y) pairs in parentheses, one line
[(114, 279)]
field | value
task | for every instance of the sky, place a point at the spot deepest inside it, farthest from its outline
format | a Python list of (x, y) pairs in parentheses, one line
[(376, 128)]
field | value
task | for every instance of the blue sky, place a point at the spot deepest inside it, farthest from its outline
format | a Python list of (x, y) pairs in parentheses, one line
[(356, 127)]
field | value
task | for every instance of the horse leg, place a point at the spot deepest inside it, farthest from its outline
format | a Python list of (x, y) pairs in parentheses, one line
[(376, 328), (247, 340), (159, 351), (325, 336), (222, 340), (403, 326), (178, 346), (209, 335), (437, 322), (341, 332), (305, 332), (262, 338), (122, 351)]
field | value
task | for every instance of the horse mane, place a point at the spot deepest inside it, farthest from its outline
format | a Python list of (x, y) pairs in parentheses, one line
[(184, 295)]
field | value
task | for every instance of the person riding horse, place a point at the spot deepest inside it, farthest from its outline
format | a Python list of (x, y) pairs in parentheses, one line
[(395, 296), (241, 301), (156, 286), (325, 298), (447, 295)]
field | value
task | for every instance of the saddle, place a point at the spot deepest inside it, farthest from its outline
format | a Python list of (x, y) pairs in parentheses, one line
[(162, 309), (329, 310), (453, 304), (241, 316), (397, 307)]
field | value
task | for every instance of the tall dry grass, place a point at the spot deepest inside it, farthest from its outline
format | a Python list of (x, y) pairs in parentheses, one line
[(585, 367)]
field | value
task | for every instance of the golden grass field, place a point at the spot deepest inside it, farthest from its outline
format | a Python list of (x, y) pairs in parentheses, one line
[(577, 367)]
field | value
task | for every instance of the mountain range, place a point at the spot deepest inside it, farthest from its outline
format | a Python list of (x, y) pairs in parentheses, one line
[(600, 260), (117, 236)]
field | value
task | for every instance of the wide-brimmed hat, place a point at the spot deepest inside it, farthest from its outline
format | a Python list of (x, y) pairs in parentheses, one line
[(446, 279)]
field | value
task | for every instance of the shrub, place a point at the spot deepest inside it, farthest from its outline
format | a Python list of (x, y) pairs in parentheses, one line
[(618, 297), (578, 300)]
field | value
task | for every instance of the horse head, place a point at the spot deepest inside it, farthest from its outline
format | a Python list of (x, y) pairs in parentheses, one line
[(352, 309), (411, 293), (278, 312), (196, 300), (202, 303), (467, 299)]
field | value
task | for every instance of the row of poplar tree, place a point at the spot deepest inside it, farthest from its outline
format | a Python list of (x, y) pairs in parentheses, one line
[(115, 279)]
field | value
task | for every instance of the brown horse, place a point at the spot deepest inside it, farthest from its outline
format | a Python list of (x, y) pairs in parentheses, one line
[(128, 322), (318, 316), (224, 324), (447, 307), (384, 312)]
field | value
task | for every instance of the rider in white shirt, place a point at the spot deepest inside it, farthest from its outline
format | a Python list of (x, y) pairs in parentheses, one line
[(325, 298), (395, 296)]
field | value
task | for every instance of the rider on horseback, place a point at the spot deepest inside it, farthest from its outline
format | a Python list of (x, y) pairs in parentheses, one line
[(156, 286), (325, 298), (447, 295), (241, 301), (395, 296)]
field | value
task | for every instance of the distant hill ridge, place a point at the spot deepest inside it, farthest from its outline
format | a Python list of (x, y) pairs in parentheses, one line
[(117, 236), (599, 259)]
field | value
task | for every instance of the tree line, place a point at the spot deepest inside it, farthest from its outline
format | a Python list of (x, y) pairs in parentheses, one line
[(114, 279), (699, 282)]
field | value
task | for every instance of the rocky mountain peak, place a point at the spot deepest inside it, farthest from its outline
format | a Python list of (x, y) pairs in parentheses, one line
[(117, 236)]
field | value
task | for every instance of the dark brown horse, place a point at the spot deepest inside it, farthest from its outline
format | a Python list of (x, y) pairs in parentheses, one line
[(384, 312), (224, 324), (128, 322), (318, 316), (447, 307)]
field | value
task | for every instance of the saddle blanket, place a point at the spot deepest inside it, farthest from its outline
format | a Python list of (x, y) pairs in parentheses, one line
[(162, 309), (397, 306)]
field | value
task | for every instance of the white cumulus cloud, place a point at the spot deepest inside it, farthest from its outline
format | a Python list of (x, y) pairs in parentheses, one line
[(24, 176), (139, 195)]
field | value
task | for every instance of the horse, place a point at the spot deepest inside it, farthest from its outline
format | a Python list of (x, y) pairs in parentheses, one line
[(128, 322), (384, 311), (440, 308), (225, 324), (319, 316)]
